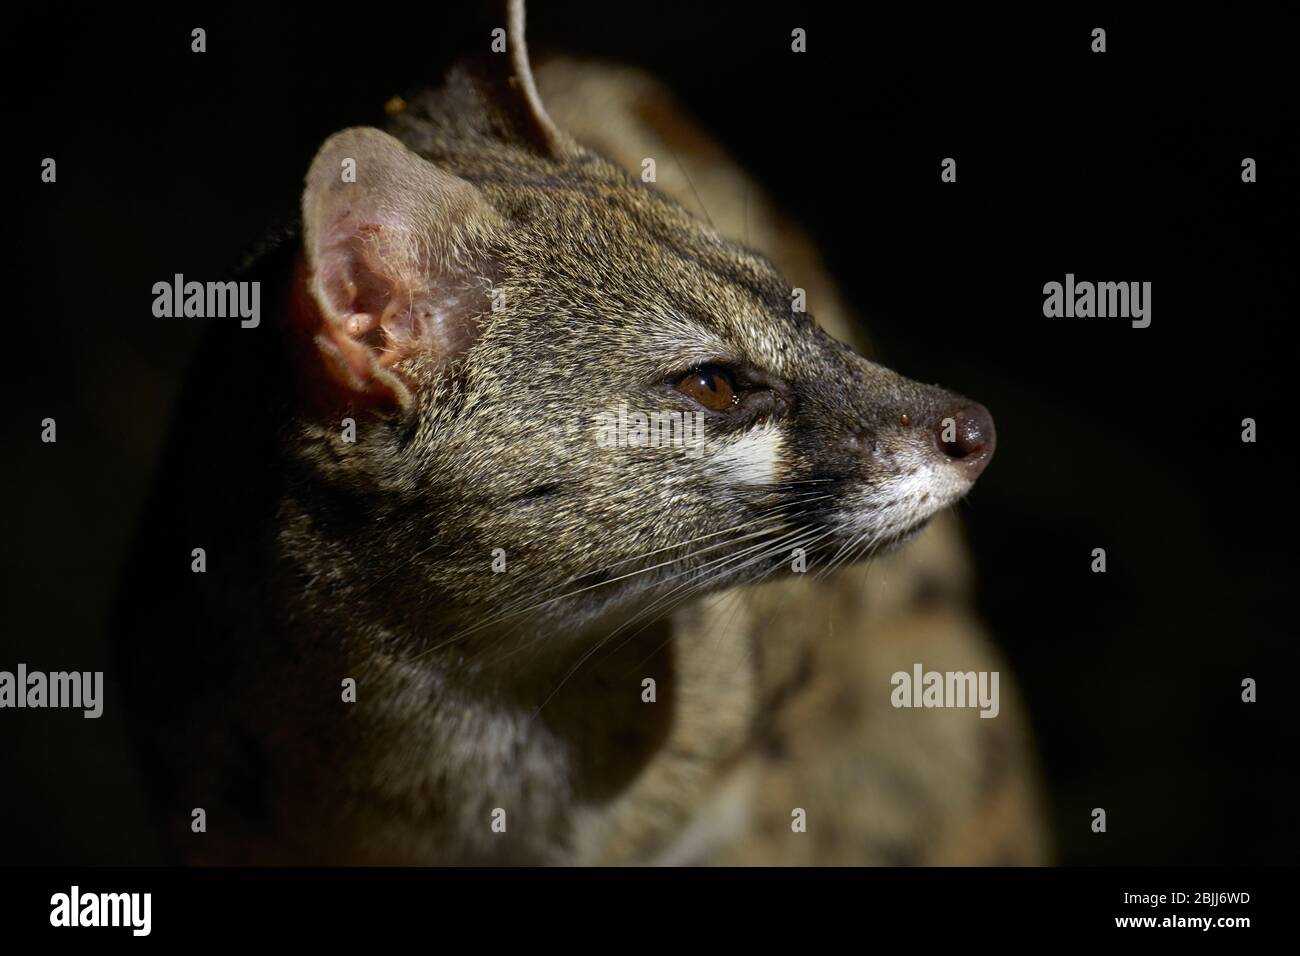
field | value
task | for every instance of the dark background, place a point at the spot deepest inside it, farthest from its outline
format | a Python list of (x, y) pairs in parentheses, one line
[(1122, 166)]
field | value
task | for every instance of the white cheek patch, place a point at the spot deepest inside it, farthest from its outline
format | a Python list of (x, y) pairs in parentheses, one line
[(754, 458)]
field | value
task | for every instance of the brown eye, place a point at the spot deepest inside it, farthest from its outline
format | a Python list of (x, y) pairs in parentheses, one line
[(710, 387)]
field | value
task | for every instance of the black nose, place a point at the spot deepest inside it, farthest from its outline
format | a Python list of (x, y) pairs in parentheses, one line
[(966, 435)]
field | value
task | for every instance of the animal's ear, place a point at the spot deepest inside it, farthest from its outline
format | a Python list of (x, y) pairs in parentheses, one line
[(523, 87), (388, 267)]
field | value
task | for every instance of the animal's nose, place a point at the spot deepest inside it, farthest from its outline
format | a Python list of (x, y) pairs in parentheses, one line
[(967, 437)]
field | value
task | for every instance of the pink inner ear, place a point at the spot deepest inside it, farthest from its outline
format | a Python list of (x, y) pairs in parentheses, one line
[(377, 300)]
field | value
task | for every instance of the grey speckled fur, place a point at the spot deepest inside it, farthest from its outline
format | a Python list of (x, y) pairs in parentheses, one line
[(522, 691)]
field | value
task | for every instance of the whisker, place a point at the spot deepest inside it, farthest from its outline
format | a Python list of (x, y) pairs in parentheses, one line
[(595, 647), (532, 602), (660, 599)]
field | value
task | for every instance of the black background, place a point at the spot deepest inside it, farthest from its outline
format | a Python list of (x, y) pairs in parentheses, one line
[(1123, 166)]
